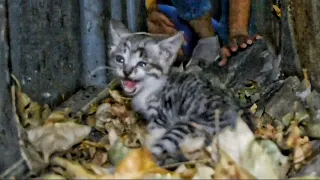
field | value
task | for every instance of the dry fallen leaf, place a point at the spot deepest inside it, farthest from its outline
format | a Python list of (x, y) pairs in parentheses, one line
[(117, 97), (23, 101), (294, 136), (99, 170), (277, 10), (92, 109), (254, 108), (59, 117), (91, 115), (266, 132), (46, 112), (91, 121), (117, 125), (113, 137), (136, 135), (32, 115), (59, 170), (270, 132), (57, 137), (100, 158), (139, 164), (103, 115), (89, 144), (228, 169), (127, 116), (203, 172), (246, 152), (29, 111), (51, 176), (185, 173), (275, 165), (76, 170), (302, 147)]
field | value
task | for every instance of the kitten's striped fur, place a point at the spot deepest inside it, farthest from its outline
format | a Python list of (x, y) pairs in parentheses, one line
[(172, 102)]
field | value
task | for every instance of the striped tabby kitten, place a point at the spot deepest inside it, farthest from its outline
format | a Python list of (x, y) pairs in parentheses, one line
[(176, 104)]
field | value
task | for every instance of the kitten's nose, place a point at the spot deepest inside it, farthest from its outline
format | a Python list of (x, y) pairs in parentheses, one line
[(127, 71)]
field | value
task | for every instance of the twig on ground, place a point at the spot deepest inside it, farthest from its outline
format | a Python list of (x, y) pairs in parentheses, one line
[(187, 163)]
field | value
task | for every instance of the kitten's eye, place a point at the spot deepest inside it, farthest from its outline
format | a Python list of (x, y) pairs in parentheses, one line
[(142, 64), (119, 59)]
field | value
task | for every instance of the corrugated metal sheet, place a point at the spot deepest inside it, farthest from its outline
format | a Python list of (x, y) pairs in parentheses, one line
[(94, 16), (9, 146), (92, 41), (45, 47)]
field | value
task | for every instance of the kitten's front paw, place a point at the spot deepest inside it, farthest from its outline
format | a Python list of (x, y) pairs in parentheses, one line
[(159, 155), (162, 157), (155, 133)]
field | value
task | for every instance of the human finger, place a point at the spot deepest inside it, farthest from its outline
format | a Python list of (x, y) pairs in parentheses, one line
[(224, 54)]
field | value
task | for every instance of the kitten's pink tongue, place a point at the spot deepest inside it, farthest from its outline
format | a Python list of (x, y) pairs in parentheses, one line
[(130, 84)]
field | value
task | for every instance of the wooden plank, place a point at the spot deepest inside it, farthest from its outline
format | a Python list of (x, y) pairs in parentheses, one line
[(306, 29)]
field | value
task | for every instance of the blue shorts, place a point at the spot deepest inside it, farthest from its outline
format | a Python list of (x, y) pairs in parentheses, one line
[(193, 9)]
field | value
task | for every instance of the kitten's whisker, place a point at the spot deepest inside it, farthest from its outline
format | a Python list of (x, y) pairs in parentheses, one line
[(99, 68)]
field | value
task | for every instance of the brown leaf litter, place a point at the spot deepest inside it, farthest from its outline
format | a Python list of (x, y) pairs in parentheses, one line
[(121, 152)]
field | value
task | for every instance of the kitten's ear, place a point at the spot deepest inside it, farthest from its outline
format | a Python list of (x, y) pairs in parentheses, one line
[(116, 31), (173, 43)]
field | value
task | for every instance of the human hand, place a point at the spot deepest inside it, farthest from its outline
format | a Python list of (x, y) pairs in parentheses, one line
[(158, 23), (236, 43)]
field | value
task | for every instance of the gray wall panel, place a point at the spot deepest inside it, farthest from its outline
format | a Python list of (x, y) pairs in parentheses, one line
[(9, 144), (45, 47)]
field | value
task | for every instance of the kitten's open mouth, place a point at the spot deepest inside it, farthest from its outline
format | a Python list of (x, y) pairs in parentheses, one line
[(129, 85)]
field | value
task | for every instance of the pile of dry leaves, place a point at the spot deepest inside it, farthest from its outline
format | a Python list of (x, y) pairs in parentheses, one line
[(62, 147)]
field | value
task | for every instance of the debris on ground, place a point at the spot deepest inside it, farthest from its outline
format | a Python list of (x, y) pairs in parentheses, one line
[(284, 144)]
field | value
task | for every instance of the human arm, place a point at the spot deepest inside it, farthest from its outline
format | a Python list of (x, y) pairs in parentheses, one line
[(157, 22), (197, 13), (239, 15)]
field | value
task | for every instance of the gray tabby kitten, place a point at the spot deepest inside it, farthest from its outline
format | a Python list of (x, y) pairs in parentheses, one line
[(176, 104)]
